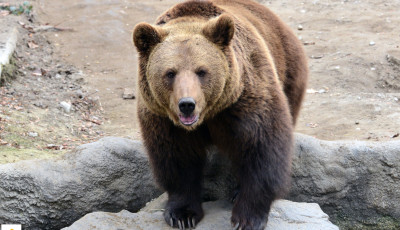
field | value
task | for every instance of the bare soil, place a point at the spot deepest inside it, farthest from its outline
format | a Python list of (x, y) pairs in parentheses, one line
[(32, 122), (354, 59)]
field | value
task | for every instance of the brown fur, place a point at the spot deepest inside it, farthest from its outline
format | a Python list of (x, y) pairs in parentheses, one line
[(247, 74)]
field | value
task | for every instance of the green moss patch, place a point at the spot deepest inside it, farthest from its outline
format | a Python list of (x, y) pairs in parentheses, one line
[(8, 72), (384, 223), (11, 154)]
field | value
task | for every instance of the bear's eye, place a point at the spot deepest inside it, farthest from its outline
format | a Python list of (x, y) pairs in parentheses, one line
[(170, 74), (201, 73)]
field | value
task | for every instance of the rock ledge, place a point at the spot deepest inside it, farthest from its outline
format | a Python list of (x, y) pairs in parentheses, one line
[(285, 215)]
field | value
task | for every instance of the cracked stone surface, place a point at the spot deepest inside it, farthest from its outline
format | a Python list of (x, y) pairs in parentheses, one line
[(285, 215)]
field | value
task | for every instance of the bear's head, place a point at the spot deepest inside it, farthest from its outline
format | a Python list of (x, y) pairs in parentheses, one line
[(186, 68)]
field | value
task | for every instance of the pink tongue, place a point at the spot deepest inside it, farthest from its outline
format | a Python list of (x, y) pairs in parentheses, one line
[(188, 119)]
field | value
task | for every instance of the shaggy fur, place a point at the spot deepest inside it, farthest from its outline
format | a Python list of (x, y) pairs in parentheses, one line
[(247, 73)]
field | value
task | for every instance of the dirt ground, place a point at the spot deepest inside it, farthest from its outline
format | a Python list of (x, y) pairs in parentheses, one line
[(89, 59), (32, 121), (347, 41)]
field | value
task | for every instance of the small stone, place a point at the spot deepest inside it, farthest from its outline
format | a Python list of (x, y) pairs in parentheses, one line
[(40, 105), (32, 134), (66, 106), (308, 43), (371, 43), (58, 76), (312, 91), (80, 94), (317, 56), (381, 95), (129, 93), (300, 27)]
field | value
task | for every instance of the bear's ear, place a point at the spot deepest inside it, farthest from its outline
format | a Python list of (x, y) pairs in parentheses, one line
[(146, 36), (220, 30)]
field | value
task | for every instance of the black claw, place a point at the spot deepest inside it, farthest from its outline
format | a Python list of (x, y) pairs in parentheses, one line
[(181, 225), (193, 222)]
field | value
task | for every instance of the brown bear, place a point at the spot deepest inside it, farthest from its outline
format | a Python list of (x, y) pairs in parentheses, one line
[(219, 73)]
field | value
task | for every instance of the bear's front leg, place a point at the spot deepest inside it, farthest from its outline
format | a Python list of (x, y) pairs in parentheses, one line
[(258, 140), (183, 211), (177, 159), (263, 166)]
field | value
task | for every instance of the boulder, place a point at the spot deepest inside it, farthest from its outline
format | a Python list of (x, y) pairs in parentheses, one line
[(356, 182), (109, 175), (353, 181), (284, 215)]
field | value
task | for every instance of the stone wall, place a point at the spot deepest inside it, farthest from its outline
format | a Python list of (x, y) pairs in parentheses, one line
[(354, 182)]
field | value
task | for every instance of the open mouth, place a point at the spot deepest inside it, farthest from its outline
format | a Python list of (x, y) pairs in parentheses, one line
[(188, 120)]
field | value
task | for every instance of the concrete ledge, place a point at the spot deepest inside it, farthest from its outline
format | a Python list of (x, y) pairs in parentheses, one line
[(8, 41)]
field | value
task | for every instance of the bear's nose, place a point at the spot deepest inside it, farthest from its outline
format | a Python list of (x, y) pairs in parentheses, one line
[(187, 105)]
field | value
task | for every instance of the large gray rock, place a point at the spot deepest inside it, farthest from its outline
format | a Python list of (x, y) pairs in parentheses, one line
[(109, 175), (351, 180), (355, 182), (285, 215)]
